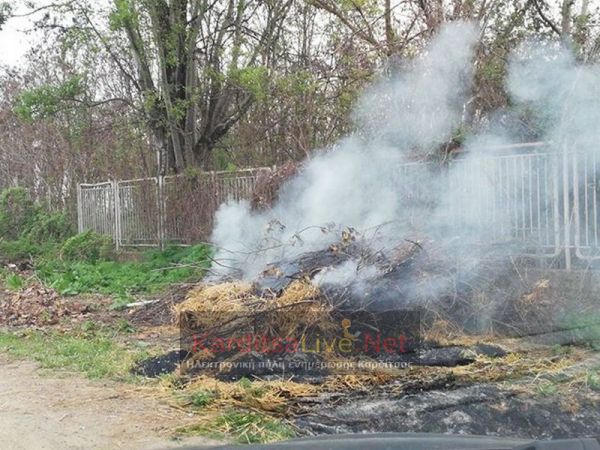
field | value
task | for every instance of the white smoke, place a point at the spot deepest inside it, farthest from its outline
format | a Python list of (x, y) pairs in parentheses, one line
[(562, 94), (421, 106), (349, 272), (352, 183)]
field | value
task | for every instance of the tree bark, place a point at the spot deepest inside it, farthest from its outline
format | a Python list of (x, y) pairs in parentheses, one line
[(566, 18)]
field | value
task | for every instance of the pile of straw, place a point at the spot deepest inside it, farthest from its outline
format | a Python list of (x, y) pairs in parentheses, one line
[(236, 307), (209, 305)]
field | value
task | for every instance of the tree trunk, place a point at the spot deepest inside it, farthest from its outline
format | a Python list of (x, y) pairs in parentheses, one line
[(202, 154), (566, 18), (389, 29)]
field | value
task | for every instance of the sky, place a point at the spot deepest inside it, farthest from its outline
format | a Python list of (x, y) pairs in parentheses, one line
[(14, 43)]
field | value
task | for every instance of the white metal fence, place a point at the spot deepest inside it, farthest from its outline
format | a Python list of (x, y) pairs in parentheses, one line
[(514, 197), (96, 208), (155, 211), (547, 202)]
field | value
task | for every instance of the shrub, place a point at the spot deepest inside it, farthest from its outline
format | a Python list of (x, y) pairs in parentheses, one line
[(24, 249), (15, 250), (194, 255), (88, 246), (17, 212), (49, 227)]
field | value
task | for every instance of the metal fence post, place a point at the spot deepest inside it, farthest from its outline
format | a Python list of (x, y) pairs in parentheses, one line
[(117, 214), (161, 211), (79, 210), (566, 207)]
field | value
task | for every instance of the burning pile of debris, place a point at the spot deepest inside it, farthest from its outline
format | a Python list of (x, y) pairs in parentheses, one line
[(464, 375), (346, 290)]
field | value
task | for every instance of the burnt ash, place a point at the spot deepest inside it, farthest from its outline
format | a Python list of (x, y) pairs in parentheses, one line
[(478, 409)]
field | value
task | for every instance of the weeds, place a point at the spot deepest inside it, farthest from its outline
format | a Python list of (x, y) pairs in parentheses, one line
[(85, 263), (201, 398), (123, 326), (17, 211), (562, 350), (245, 427), (593, 380), (547, 389), (24, 249), (26, 227), (123, 279), (251, 389), (14, 282)]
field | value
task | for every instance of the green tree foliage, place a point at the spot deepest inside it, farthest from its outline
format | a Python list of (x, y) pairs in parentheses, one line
[(45, 101)]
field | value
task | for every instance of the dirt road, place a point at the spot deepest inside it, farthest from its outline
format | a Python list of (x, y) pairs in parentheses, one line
[(49, 411)]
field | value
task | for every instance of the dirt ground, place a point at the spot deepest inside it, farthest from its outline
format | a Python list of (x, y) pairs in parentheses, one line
[(46, 411)]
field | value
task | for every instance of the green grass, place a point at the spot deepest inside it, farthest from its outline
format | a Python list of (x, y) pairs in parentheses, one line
[(157, 270), (91, 351), (547, 389), (593, 380), (14, 282), (251, 389), (586, 327), (244, 427), (201, 398)]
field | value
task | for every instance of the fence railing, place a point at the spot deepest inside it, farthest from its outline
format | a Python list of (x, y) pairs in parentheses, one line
[(151, 212), (514, 198), (560, 204), (546, 203)]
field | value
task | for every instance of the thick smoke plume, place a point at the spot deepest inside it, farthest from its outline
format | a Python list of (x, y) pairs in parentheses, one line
[(351, 184), (368, 181), (562, 94)]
